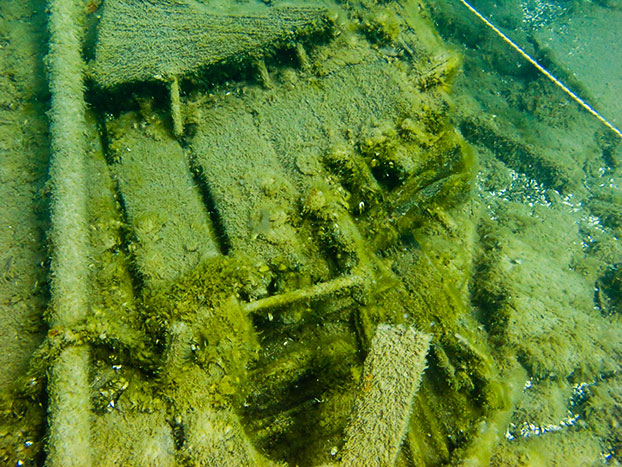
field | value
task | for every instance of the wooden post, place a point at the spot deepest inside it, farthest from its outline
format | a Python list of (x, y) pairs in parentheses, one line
[(69, 412)]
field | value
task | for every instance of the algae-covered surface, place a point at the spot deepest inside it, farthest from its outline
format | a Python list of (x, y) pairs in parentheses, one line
[(356, 232)]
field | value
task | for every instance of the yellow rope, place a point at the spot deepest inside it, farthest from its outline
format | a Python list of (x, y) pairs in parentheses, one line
[(544, 71)]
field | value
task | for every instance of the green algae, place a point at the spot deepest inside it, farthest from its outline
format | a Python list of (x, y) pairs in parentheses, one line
[(240, 273), (178, 339)]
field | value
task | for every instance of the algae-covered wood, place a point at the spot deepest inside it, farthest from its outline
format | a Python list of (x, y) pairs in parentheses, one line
[(269, 275), (172, 231), (142, 40)]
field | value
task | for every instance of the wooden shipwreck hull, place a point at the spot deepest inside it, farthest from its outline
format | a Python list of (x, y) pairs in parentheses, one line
[(255, 270)]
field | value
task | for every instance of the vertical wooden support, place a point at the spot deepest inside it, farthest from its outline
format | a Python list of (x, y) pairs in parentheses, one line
[(263, 74), (303, 58), (178, 123), (69, 432)]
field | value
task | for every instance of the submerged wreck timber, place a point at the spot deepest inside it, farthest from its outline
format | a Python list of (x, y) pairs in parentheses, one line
[(262, 241)]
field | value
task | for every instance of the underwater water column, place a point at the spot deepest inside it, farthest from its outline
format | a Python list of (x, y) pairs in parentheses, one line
[(543, 70), (69, 424)]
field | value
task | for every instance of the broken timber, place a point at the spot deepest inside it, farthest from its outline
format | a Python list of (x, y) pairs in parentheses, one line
[(142, 40)]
